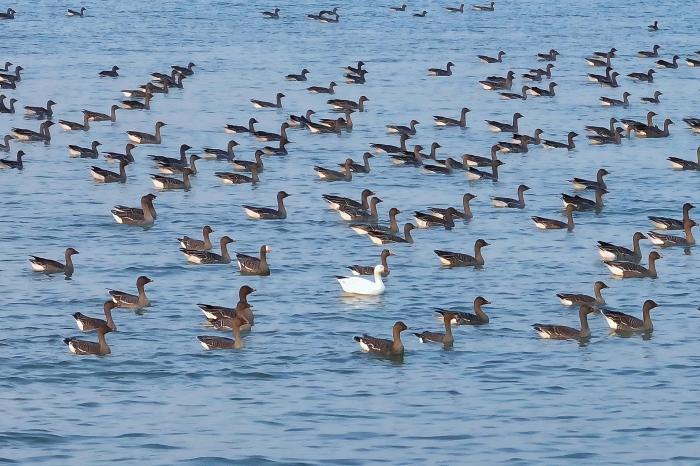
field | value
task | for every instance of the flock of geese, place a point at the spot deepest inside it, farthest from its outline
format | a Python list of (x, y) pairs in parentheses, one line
[(362, 214)]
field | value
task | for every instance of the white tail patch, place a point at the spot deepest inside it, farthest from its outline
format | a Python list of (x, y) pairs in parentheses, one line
[(607, 255)]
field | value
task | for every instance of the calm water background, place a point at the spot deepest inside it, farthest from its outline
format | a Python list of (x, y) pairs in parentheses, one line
[(301, 392)]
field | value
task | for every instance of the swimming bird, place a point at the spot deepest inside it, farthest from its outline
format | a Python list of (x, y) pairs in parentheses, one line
[(597, 61), (326, 174), (365, 228), (165, 182), (643, 77), (137, 105), (627, 269), (253, 265), (506, 202), (390, 148), (466, 214), (553, 224), (599, 183), (360, 167), (634, 125), (9, 14), (16, 164), (582, 203), (264, 104), (335, 202), (132, 301), (474, 174), (673, 64), (447, 121), (446, 338), (243, 308), (322, 90), (84, 152), (382, 347), (398, 8), (209, 342), (445, 169), (280, 150), (515, 95), (106, 176), (451, 9), (341, 104), (369, 270), (519, 147), (356, 78), (693, 123), (144, 216), (113, 73), (43, 134), (220, 154), (298, 77), (653, 27), (49, 266), (359, 214), (88, 324), (184, 70), (247, 165), (266, 213), (616, 138), (5, 147), (610, 102), (354, 69), (576, 299), (148, 88), (505, 127), (11, 79), (661, 239), (237, 178), (562, 332), (655, 132), (97, 116), (479, 317), (79, 13), (42, 113), (4, 108), (548, 56), (539, 92), (665, 223), (362, 286), (624, 323), (236, 129), (400, 129), (497, 82), (683, 164), (650, 54), (692, 62), (601, 130), (568, 145), (456, 259), (75, 126), (146, 138), (422, 14), (536, 74), (198, 244), (652, 100), (424, 220), (489, 7), (198, 256), (271, 14), (383, 237), (90, 348), (413, 158), (117, 157), (487, 59), (609, 251), (441, 72)]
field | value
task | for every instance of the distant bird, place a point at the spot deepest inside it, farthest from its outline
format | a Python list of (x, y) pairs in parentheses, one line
[(16, 164), (90, 348), (10, 14), (264, 104), (548, 56), (80, 13), (650, 54), (623, 323), (422, 14), (666, 64), (298, 77), (451, 9), (458, 259), (113, 73), (489, 7), (271, 14), (440, 71), (653, 27), (487, 59), (398, 8), (678, 163)]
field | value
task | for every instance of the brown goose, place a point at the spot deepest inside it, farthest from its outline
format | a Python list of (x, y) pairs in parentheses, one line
[(655, 132), (322, 90), (342, 105), (42, 113), (84, 347), (357, 214), (218, 343), (198, 244), (196, 256), (465, 318), (97, 116), (633, 270), (425, 220), (383, 237), (220, 154), (390, 148), (5, 147), (266, 213), (165, 182), (327, 174), (456, 259), (447, 121), (562, 332), (117, 157), (137, 105), (650, 54), (221, 314), (599, 183), (611, 252), (4, 108), (510, 203), (466, 214), (84, 152), (88, 324), (553, 224), (487, 59), (364, 228), (17, 163), (131, 301), (610, 102), (49, 266), (237, 178), (447, 339), (665, 240), (250, 265), (43, 134), (440, 72), (505, 127), (264, 104), (380, 346), (236, 129), (575, 299), (673, 64), (335, 202), (360, 168), (369, 269), (144, 216), (146, 138), (665, 223), (625, 323), (683, 164), (107, 176)]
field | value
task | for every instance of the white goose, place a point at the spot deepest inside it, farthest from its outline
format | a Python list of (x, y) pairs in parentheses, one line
[(362, 286)]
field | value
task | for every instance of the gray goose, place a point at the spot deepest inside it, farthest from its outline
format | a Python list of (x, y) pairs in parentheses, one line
[(264, 104), (137, 105), (515, 96), (334, 202), (218, 343), (279, 150), (568, 145), (265, 136), (342, 105), (536, 74), (88, 324), (49, 266), (597, 140), (447, 121), (582, 203), (369, 269), (113, 73), (220, 154), (489, 7), (143, 217), (85, 152), (327, 174), (452, 9), (383, 237), (297, 77), (446, 339), (539, 92), (474, 174), (465, 318), (9, 14), (601, 130), (4, 108), (132, 301), (398, 8), (42, 113), (401, 129), (471, 160), (652, 100), (382, 347), (625, 323), (553, 224), (238, 178), (250, 265), (562, 332), (440, 72), (643, 77), (456, 259), (364, 228), (322, 90), (390, 148), (236, 129), (80, 13), (422, 14), (576, 299), (266, 213), (599, 183), (666, 223), (197, 256), (424, 220), (497, 126), (612, 252), (655, 132), (85, 348), (466, 214), (487, 59), (610, 102), (74, 125), (358, 214), (148, 88), (184, 70), (146, 138), (548, 56), (6, 146), (107, 176), (665, 240), (16, 164), (219, 315), (650, 54), (271, 14), (360, 168), (169, 169), (117, 157), (681, 164), (626, 269), (673, 64), (97, 116), (507, 202), (172, 161), (497, 83), (198, 244)]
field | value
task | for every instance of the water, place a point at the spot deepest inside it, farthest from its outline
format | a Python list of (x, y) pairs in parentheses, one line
[(301, 392)]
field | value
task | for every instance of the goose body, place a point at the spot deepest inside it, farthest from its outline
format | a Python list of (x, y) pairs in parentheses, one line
[(369, 270), (144, 216), (623, 323), (626, 269), (49, 266), (465, 214), (447, 121), (665, 240), (683, 164), (510, 203), (383, 237), (127, 156), (89, 324), (673, 64), (97, 116), (553, 224), (85, 152), (221, 343), (17, 164), (197, 244), (335, 202), (441, 72), (498, 126), (113, 73), (327, 174), (576, 299), (456, 259), (479, 317), (666, 223), (132, 301), (146, 138), (610, 102), (75, 126), (446, 338), (652, 100), (251, 265), (612, 252), (425, 220), (90, 348), (562, 332), (382, 347), (487, 59), (25, 135), (199, 256), (4, 108), (264, 104), (107, 176), (266, 213), (238, 178)]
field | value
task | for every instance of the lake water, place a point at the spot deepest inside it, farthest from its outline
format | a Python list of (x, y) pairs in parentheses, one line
[(301, 392)]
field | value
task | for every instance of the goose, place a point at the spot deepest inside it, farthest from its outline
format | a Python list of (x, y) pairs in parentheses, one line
[(113, 73), (75, 126), (634, 125), (487, 59), (84, 152), (470, 160), (220, 316), (612, 81), (422, 14), (610, 102), (252, 265), (327, 127), (413, 158), (382, 347), (553, 224), (322, 90), (446, 339), (440, 71), (575, 299), (10, 80), (582, 203), (235, 129), (198, 244), (365, 228), (625, 323), (280, 150), (148, 88), (548, 56), (424, 220), (568, 145), (475, 174), (562, 332), (652, 100), (601, 130), (265, 136), (666, 64), (106, 176), (220, 154), (515, 95), (165, 182), (665, 223), (514, 147), (683, 164), (353, 69), (466, 318), (693, 123), (369, 270), (341, 104), (520, 138), (327, 174), (616, 138), (457, 259), (445, 169), (398, 8), (610, 53), (599, 183), (655, 132), (90, 348), (539, 92), (218, 343), (400, 129), (611, 252), (599, 61), (362, 286), (79, 13), (491, 84), (171, 79), (10, 14), (144, 216), (497, 126), (466, 214), (356, 78), (42, 113), (271, 14), (297, 77), (536, 74), (447, 121), (184, 70), (625, 269), (146, 138), (28, 135), (643, 77), (335, 202), (247, 165), (136, 105), (197, 256), (6, 146), (692, 62), (97, 116), (17, 163), (382, 237), (360, 167), (489, 7), (49, 266), (358, 214), (506, 202), (132, 301), (265, 104), (88, 324), (653, 54), (451, 9), (389, 148), (266, 213), (661, 239), (172, 161), (600, 78), (5, 109)]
